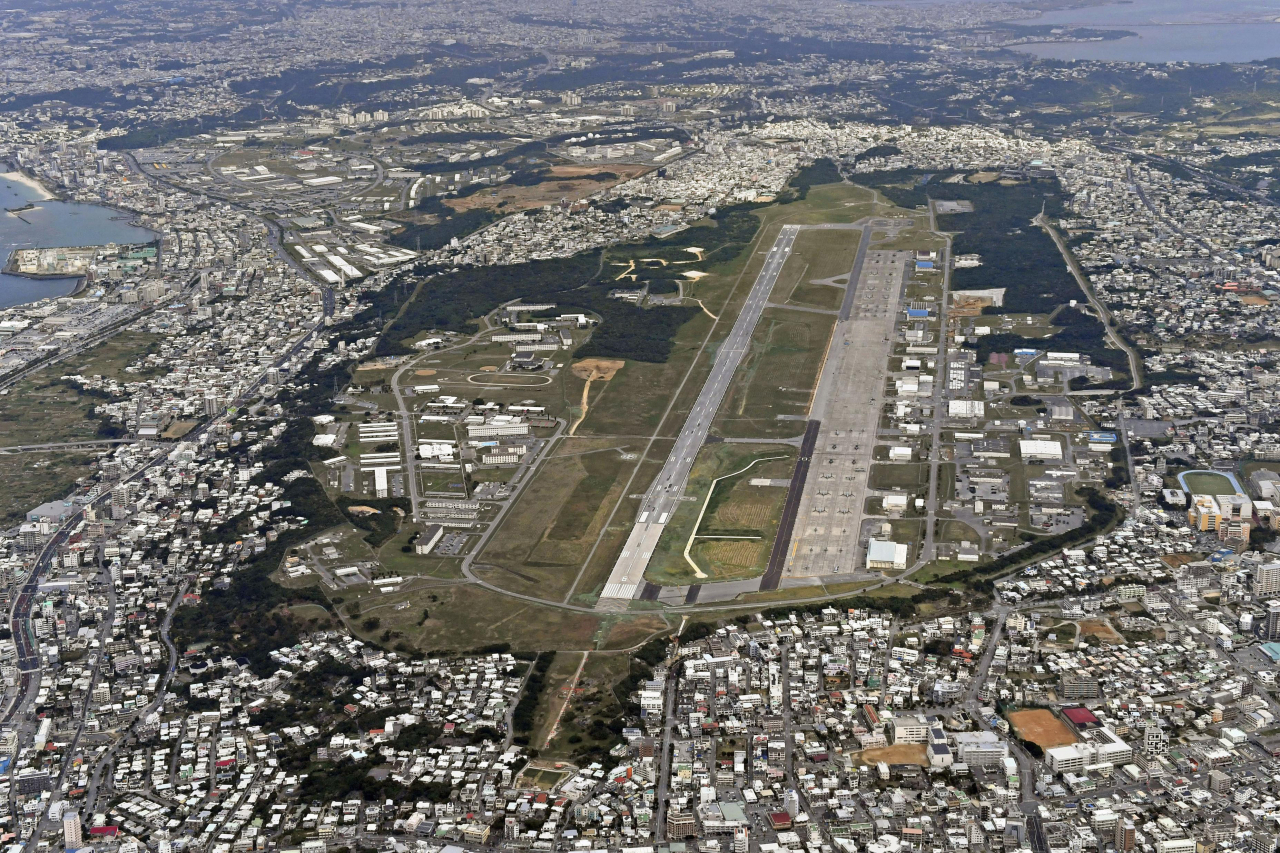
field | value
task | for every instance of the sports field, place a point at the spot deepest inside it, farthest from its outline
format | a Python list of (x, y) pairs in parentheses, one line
[(899, 753), (1041, 727)]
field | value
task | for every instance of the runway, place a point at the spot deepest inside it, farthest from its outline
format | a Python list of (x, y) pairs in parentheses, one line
[(790, 509), (667, 489)]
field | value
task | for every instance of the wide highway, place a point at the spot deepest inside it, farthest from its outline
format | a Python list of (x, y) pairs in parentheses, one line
[(661, 499)]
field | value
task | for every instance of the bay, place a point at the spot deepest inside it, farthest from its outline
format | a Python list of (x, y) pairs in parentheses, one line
[(50, 224), (1169, 31)]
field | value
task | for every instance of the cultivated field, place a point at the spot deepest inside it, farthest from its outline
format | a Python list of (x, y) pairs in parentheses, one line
[(1041, 727)]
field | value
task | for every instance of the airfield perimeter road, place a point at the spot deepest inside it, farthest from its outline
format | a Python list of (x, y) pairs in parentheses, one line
[(667, 489)]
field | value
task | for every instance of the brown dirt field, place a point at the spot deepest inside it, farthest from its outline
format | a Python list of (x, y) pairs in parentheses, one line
[(427, 372), (597, 368), (747, 510), (901, 753), (360, 509), (963, 305), (741, 552), (1102, 630), (983, 177), (622, 171), (178, 429), (490, 368), (565, 183), (1173, 561), (1042, 728), (1254, 299)]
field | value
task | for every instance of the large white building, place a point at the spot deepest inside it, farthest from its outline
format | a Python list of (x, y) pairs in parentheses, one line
[(1266, 580), (883, 554), (1176, 845), (981, 749), (1103, 747), (908, 728), (1033, 448)]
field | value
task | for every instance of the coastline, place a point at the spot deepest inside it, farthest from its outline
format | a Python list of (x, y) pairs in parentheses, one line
[(19, 177)]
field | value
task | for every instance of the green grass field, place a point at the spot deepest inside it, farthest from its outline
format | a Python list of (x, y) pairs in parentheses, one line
[(1208, 483), (465, 616), (909, 475), (777, 377), (545, 539), (822, 296), (737, 509)]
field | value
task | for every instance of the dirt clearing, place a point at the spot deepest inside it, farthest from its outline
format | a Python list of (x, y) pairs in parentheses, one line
[(1042, 728), (900, 753), (1101, 630), (597, 368), (592, 369)]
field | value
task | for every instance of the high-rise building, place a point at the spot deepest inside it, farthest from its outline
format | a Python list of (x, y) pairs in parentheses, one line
[(1271, 625), (680, 825), (791, 802), (121, 498), (1155, 740), (1266, 580), (71, 835), (1126, 835)]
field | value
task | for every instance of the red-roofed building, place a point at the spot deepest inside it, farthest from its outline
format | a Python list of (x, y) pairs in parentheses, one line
[(1081, 718), (779, 821)]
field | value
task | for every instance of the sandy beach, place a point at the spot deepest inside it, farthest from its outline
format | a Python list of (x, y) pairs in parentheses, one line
[(36, 186)]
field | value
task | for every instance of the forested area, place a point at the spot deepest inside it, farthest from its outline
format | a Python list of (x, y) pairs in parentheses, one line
[(449, 223), (1079, 332), (1016, 254)]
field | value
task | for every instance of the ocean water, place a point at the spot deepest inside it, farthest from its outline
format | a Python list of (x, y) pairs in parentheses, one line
[(1171, 31), (50, 224)]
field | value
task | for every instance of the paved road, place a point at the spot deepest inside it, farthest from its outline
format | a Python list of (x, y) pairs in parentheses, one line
[(661, 499), (65, 445), (929, 549), (664, 758), (1135, 363)]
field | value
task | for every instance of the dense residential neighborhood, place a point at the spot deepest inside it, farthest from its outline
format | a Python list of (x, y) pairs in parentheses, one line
[(639, 428)]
